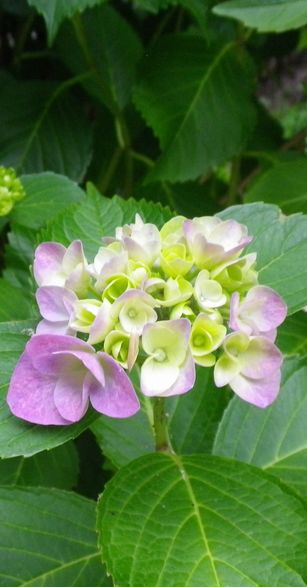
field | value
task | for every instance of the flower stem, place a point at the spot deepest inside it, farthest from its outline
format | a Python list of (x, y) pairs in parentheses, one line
[(160, 426)]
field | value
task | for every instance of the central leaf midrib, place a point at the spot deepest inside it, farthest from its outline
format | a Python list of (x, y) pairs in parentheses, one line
[(196, 512)]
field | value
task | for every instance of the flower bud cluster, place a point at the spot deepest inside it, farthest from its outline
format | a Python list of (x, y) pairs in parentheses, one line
[(11, 190), (167, 300)]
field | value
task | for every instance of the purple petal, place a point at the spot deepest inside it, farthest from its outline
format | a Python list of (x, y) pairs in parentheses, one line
[(117, 397), (263, 307), (234, 306), (48, 351), (55, 303), (260, 392), (102, 324), (30, 394), (186, 379), (74, 255), (70, 396), (261, 359), (58, 328), (47, 261)]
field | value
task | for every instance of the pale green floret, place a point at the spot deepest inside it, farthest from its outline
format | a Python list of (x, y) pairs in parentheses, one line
[(116, 344), (137, 272), (164, 345), (11, 190), (208, 292), (175, 260), (84, 314), (115, 286), (135, 314), (237, 275), (171, 292), (172, 232), (182, 310), (206, 337), (229, 363)]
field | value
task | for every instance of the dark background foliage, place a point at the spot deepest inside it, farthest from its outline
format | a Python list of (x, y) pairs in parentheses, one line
[(186, 106)]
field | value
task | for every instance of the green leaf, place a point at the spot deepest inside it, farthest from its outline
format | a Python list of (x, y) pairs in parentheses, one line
[(194, 416), (48, 538), (104, 42), (55, 11), (285, 184), (266, 15), (291, 339), (200, 521), (193, 98), (275, 438), (55, 468), (281, 245), (42, 130), (14, 303), (19, 438), (98, 216), (47, 194)]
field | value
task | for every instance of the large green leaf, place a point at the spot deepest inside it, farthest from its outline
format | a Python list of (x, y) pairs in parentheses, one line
[(54, 468), (19, 438), (167, 521), (281, 245), (107, 44), (275, 438), (47, 194), (48, 538), (55, 11), (43, 131), (266, 15), (194, 98), (285, 184), (98, 216)]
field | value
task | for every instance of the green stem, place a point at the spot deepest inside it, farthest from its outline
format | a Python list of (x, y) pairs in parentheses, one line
[(160, 426), (142, 158), (104, 183), (169, 195)]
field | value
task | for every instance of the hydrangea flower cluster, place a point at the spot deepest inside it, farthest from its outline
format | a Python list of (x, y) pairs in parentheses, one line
[(11, 190), (167, 300)]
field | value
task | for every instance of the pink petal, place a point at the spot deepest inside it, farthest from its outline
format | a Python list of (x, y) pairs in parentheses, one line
[(260, 392), (58, 328), (264, 308), (70, 397), (55, 303), (117, 397), (74, 255), (186, 379), (260, 359), (233, 319), (30, 394), (47, 261)]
